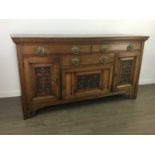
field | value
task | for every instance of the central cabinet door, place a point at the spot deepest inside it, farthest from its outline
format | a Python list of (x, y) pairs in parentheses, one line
[(86, 81), (41, 79)]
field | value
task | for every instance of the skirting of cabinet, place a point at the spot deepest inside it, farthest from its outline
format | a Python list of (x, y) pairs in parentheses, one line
[(69, 69), (36, 107)]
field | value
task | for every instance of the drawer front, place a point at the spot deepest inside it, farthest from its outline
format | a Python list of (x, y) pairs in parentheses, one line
[(55, 49), (116, 46), (71, 60)]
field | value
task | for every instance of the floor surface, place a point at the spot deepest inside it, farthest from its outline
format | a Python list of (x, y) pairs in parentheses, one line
[(111, 116)]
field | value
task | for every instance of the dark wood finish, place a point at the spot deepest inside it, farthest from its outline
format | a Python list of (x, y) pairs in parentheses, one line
[(56, 70)]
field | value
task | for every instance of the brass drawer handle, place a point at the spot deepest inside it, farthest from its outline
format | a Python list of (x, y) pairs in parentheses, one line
[(130, 47), (103, 59), (40, 51), (75, 61), (75, 50), (103, 48)]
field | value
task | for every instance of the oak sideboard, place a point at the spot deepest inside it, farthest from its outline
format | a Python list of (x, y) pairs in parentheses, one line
[(63, 69)]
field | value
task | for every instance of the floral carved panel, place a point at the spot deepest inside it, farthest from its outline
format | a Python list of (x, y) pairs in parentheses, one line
[(126, 71), (43, 81), (88, 81)]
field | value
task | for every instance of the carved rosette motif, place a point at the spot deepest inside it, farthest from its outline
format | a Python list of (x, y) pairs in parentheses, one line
[(88, 81), (126, 69), (43, 81)]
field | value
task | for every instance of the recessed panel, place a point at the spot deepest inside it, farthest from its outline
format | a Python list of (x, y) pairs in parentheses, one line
[(42, 81), (88, 81), (126, 71)]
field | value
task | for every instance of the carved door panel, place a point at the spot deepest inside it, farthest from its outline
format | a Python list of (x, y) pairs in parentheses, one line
[(42, 79), (126, 70), (86, 81)]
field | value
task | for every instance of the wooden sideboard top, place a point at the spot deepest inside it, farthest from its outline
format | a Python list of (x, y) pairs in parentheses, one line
[(17, 38)]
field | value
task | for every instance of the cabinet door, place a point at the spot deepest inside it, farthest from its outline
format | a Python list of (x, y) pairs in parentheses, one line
[(86, 81), (41, 79), (126, 70)]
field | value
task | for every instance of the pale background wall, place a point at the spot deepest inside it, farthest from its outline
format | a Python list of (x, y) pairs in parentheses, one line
[(9, 77)]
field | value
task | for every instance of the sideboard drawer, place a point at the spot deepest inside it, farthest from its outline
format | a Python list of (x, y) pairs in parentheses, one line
[(56, 49), (105, 47), (70, 60)]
